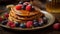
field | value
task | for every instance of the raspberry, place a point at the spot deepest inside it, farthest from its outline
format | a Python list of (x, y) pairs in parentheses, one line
[(29, 24), (28, 7), (19, 6)]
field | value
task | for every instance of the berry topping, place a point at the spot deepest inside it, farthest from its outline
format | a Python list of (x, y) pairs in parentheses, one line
[(36, 24), (1, 19), (12, 26), (19, 6), (6, 15), (56, 26), (17, 24), (24, 6), (10, 23), (45, 19), (4, 22), (40, 21), (21, 2), (33, 8), (22, 25), (28, 7), (29, 24)]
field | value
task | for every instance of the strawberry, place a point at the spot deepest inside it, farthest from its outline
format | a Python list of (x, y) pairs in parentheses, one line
[(28, 7), (56, 26), (19, 6), (6, 15), (29, 24), (11, 24)]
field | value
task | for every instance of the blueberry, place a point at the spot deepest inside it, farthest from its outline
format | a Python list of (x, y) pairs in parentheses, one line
[(23, 7), (35, 20), (17, 24), (4, 22), (21, 2), (36, 24), (41, 23), (33, 8), (22, 25), (45, 19)]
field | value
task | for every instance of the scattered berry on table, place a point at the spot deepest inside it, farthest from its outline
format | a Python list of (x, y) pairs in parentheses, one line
[(56, 26)]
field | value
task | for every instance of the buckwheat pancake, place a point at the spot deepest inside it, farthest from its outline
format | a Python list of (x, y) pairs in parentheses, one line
[(23, 15)]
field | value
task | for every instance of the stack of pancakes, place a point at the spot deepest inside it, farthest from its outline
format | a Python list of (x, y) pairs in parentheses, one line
[(24, 15)]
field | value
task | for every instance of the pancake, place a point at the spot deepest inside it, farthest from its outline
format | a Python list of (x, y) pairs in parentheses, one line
[(24, 15)]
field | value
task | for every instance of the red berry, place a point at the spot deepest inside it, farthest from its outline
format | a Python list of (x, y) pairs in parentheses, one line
[(28, 7), (56, 26), (6, 15), (29, 24), (1, 19), (10, 23), (19, 6), (40, 20), (12, 26)]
